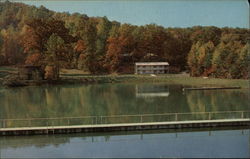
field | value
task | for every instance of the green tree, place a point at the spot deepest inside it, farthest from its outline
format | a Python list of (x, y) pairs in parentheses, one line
[(103, 28), (88, 33), (243, 62), (206, 34), (192, 59), (1, 55), (54, 56), (225, 59)]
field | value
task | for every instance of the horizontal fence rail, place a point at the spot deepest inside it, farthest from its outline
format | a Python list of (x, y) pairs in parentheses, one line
[(118, 119)]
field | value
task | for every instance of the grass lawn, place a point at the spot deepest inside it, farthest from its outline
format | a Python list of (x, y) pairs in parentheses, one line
[(199, 81), (79, 76), (168, 78)]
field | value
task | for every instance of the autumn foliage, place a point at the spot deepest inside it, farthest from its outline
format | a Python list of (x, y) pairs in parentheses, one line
[(38, 36)]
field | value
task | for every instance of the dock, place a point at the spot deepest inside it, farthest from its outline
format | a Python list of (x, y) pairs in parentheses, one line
[(210, 88), (123, 127)]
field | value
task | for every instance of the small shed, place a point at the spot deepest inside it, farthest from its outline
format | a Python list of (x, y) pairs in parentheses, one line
[(30, 73), (151, 67)]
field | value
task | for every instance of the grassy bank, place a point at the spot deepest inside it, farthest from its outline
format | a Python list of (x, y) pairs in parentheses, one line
[(168, 79), (76, 77)]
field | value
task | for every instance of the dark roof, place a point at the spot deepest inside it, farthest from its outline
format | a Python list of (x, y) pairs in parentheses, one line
[(30, 66)]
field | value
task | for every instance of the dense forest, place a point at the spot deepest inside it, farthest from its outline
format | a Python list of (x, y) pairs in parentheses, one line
[(52, 40)]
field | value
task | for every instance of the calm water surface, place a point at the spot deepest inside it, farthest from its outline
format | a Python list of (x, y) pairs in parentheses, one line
[(112, 103), (115, 100), (154, 144)]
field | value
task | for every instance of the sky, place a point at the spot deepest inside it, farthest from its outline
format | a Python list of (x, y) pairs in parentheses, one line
[(167, 13)]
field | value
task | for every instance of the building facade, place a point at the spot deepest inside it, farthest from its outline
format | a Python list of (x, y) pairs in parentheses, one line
[(151, 67), (30, 73)]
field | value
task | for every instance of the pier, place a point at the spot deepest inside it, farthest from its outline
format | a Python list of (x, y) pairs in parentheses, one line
[(141, 122), (122, 127), (210, 88)]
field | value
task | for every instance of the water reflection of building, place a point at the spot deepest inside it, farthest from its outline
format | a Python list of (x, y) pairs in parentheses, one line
[(152, 91)]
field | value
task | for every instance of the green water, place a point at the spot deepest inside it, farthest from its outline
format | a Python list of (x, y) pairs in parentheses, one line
[(111, 103)]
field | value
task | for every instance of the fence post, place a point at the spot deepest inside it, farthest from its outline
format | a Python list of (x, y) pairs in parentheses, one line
[(242, 114), (176, 117), (209, 116), (141, 118)]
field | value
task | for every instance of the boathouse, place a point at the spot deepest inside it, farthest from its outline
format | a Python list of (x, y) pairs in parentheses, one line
[(151, 67), (30, 73)]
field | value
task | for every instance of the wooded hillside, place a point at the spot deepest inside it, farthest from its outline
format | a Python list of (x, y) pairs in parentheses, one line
[(38, 36)]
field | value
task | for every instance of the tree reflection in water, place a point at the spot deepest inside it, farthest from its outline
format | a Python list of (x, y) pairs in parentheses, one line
[(114, 99)]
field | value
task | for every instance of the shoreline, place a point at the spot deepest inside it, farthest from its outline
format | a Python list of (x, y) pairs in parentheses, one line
[(131, 78)]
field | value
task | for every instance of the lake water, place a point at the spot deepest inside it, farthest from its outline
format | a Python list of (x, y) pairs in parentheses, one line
[(208, 143), (116, 103)]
